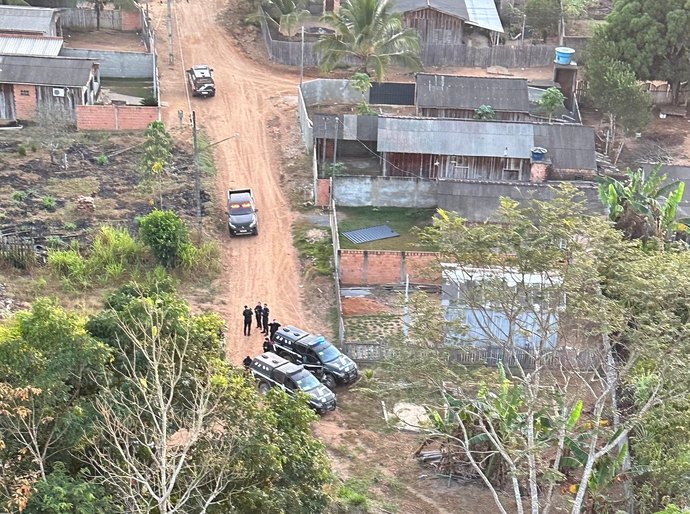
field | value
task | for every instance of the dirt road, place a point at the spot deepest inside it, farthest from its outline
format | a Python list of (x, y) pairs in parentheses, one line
[(257, 103)]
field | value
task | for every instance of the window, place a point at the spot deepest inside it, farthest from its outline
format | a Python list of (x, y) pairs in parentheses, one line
[(511, 175), (24, 92)]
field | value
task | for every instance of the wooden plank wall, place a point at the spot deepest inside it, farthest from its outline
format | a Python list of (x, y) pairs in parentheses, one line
[(446, 167)]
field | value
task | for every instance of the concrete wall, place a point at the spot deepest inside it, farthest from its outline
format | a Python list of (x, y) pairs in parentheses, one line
[(357, 191), (478, 201), (376, 267), (115, 117), (331, 91), (115, 64)]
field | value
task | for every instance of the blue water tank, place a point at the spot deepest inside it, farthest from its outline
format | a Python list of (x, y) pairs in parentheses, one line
[(564, 55), (538, 153)]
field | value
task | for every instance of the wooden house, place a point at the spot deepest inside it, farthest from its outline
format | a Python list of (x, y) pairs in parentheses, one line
[(27, 20)]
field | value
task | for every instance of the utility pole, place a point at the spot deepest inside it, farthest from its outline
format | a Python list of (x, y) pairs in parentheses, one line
[(197, 177), (335, 141), (301, 64), (171, 57)]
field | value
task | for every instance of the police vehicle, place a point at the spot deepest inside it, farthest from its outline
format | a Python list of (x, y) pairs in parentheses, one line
[(242, 213), (200, 78), (316, 354), (271, 370)]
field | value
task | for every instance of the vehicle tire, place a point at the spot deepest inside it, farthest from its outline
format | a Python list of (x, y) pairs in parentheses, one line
[(264, 388), (290, 357), (329, 381), (230, 232), (256, 231)]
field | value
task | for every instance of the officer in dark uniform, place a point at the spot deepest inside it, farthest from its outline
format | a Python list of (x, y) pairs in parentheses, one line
[(273, 327), (268, 345), (264, 319), (247, 313), (257, 312), (247, 362)]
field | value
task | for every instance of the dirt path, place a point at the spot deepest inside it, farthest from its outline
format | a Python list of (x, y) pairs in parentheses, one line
[(257, 103)]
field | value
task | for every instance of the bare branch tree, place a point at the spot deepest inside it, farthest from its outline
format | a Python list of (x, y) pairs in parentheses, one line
[(53, 122), (164, 444)]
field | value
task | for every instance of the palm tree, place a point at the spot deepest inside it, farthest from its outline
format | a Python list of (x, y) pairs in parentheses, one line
[(644, 207), (371, 34)]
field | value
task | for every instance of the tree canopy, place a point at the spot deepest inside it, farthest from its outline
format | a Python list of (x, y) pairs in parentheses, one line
[(368, 32), (652, 37)]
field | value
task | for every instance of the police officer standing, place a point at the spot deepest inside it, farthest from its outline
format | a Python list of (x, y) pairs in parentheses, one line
[(273, 327), (268, 345), (264, 319), (257, 312), (247, 313)]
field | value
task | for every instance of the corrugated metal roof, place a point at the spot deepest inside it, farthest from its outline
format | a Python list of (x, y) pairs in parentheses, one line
[(481, 13), (455, 137), (18, 18), (45, 71), (569, 146), (454, 92), (365, 235), (27, 45)]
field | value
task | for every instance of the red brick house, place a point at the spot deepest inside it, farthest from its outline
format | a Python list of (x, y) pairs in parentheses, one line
[(30, 83)]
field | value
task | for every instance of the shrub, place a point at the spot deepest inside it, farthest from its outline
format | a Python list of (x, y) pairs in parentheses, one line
[(102, 160), (166, 235), (70, 265), (48, 203), (70, 226), (21, 150), (55, 242), (20, 196), (149, 101), (18, 258), (34, 148)]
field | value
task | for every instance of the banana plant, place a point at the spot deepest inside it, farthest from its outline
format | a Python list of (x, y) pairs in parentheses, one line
[(644, 206)]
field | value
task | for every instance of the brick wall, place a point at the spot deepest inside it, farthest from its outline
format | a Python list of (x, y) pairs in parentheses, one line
[(115, 117), (25, 105), (373, 267), (323, 192), (130, 21)]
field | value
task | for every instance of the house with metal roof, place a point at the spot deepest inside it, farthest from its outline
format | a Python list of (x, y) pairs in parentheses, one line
[(452, 149), (30, 83), (452, 96), (30, 45), (443, 21), (37, 21)]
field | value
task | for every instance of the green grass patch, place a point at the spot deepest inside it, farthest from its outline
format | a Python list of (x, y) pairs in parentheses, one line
[(315, 248), (375, 327), (141, 88), (399, 219), (355, 493)]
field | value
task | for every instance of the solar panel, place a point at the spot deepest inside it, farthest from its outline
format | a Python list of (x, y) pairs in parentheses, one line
[(365, 235)]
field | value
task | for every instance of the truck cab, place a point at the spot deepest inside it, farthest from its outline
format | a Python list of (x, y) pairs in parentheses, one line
[(271, 370), (316, 354), (242, 217), (201, 81)]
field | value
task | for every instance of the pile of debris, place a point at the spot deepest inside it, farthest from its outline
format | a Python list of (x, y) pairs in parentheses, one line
[(8, 305)]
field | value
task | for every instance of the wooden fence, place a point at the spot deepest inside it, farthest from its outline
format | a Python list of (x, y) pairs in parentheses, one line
[(18, 252), (528, 56)]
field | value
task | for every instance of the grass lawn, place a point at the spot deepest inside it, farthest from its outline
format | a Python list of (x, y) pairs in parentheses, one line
[(401, 220), (132, 87)]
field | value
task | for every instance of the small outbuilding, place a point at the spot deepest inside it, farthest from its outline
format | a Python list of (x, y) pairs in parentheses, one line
[(32, 83), (26, 20)]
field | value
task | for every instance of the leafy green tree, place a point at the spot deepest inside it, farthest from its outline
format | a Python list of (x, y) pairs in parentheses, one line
[(484, 112), (47, 349), (61, 493), (543, 17), (645, 206), (362, 83), (166, 235), (287, 15), (368, 32), (551, 102), (652, 37), (614, 90)]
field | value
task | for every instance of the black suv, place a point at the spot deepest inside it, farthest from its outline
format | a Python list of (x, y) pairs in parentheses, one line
[(318, 356), (271, 370), (242, 217)]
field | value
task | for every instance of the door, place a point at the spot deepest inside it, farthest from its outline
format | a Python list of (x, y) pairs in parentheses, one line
[(6, 102)]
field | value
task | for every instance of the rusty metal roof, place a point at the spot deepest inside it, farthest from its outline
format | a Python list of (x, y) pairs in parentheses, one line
[(455, 92), (19, 18), (30, 45), (470, 138), (45, 71)]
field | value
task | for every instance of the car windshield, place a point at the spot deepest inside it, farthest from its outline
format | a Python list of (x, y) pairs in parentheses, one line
[(204, 80), (305, 380), (327, 352), (240, 208)]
